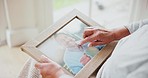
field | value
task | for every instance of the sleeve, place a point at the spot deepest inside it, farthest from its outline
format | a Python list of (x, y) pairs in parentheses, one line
[(136, 25)]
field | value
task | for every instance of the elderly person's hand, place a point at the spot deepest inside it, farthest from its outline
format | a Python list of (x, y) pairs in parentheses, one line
[(48, 68), (102, 36), (97, 36)]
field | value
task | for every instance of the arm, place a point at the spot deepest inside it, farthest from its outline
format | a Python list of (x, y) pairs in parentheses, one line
[(119, 33)]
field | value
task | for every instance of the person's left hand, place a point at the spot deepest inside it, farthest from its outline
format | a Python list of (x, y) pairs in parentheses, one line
[(48, 68)]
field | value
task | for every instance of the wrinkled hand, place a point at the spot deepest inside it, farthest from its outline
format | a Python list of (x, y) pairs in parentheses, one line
[(48, 68), (97, 37)]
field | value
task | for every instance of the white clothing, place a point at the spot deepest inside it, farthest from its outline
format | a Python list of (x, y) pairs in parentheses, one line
[(130, 57)]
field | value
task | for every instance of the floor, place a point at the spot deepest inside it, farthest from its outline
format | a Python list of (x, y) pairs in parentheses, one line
[(11, 62)]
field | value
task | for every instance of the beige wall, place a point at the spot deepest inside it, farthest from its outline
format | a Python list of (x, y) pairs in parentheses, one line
[(43, 13), (26, 18), (3, 23), (20, 14)]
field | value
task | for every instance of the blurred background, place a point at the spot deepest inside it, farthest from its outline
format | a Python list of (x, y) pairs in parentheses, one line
[(22, 20)]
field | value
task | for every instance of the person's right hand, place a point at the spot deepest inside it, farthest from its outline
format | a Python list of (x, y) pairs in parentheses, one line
[(97, 37)]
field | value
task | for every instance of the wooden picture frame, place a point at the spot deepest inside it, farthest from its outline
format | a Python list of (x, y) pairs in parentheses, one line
[(31, 47)]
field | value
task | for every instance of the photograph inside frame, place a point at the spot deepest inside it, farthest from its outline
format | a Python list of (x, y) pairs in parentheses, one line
[(63, 47)]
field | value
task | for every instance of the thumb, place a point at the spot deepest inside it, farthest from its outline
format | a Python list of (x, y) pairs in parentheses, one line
[(39, 65), (44, 59)]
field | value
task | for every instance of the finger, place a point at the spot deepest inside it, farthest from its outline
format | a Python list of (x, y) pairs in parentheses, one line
[(44, 59), (48, 61), (44, 69), (88, 39), (87, 33), (42, 65), (39, 65), (91, 44)]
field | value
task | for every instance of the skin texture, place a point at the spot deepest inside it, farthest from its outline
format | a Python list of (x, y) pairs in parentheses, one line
[(50, 69), (102, 36)]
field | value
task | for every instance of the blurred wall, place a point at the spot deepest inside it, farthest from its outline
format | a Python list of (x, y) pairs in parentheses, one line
[(26, 18), (139, 10), (3, 23)]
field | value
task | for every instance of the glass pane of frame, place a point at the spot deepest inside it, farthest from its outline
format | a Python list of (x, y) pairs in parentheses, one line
[(63, 47)]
